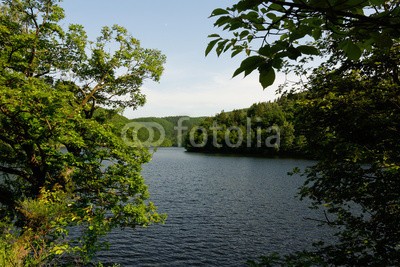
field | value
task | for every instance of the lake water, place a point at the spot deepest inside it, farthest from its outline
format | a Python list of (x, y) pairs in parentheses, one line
[(222, 211)]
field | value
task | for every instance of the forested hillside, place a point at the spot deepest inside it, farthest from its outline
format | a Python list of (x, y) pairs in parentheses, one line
[(120, 123), (265, 128), (168, 124)]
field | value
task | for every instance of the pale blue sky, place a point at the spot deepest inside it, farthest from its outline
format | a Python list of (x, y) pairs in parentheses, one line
[(192, 84)]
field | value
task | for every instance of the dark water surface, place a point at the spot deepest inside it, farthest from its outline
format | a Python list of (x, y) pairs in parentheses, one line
[(222, 211)]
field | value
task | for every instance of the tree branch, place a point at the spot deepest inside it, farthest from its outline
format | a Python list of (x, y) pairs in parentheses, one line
[(379, 21)]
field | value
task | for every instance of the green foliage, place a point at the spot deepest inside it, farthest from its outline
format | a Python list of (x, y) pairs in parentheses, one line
[(61, 165), (169, 125), (357, 120), (113, 118), (271, 32), (348, 116), (247, 131), (43, 238)]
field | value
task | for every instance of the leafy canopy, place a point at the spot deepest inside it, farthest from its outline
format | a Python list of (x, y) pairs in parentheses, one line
[(272, 32), (60, 167), (349, 115), (354, 115)]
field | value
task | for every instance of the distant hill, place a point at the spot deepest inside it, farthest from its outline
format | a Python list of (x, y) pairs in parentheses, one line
[(167, 124), (265, 128)]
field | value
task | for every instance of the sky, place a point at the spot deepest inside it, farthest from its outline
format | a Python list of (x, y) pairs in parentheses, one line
[(192, 84)]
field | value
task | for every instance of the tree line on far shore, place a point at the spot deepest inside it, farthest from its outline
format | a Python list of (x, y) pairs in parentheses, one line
[(265, 128)]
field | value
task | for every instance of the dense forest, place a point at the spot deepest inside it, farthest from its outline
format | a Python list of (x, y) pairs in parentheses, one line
[(265, 128), (172, 136), (139, 128)]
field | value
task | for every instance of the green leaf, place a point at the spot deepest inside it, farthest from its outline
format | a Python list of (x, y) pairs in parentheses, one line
[(276, 7), (351, 50), (248, 65), (294, 53), (221, 47), (227, 47), (308, 50), (267, 77), (219, 12), (222, 20), (279, 46), (235, 25), (271, 16), (383, 41), (244, 34), (265, 50), (236, 51), (277, 63), (251, 16), (211, 45), (238, 71), (317, 33)]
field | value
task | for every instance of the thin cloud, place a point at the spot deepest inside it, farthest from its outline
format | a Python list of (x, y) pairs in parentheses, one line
[(206, 98)]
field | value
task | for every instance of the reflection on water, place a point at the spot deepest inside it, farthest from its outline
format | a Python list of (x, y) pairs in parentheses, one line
[(221, 211)]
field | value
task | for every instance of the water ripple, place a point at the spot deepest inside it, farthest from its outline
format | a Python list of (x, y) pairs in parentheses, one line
[(222, 211)]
